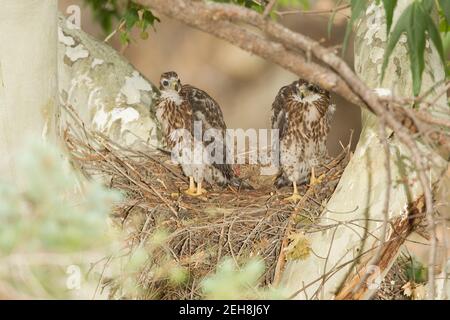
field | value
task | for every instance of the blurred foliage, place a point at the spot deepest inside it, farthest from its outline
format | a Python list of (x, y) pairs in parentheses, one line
[(152, 269), (50, 226), (260, 5), (42, 212), (126, 13), (233, 282), (416, 271), (56, 237), (105, 12)]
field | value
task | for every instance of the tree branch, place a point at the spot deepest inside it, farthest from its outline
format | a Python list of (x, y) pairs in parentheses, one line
[(219, 20)]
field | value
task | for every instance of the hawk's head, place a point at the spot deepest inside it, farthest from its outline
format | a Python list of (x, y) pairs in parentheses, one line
[(170, 81), (309, 92)]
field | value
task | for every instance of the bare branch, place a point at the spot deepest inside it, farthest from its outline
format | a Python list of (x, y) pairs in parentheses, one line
[(269, 8), (311, 12), (219, 20)]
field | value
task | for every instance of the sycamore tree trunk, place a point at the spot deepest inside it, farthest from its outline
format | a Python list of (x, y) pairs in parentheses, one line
[(358, 202), (45, 61), (28, 76), (106, 91)]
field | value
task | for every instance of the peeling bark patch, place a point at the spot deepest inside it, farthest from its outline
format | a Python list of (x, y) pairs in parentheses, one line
[(97, 62), (398, 67), (66, 40), (76, 53), (124, 114), (373, 24), (100, 119), (106, 120), (132, 87), (377, 54)]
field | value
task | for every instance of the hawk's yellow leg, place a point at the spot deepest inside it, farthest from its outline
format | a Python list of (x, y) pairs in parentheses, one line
[(192, 190), (200, 190), (295, 196), (313, 180)]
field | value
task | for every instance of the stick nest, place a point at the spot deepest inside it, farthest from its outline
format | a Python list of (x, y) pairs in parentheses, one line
[(202, 231)]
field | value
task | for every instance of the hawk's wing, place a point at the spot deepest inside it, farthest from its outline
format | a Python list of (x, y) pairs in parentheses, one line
[(204, 108), (279, 115), (207, 110)]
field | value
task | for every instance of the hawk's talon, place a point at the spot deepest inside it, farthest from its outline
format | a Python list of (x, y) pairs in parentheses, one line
[(196, 192), (295, 195), (313, 180), (200, 190), (192, 190), (294, 198), (192, 193)]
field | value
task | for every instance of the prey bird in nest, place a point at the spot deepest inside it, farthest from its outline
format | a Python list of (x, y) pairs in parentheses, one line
[(187, 108), (302, 113)]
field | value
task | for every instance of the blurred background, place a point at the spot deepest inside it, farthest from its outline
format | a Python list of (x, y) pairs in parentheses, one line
[(243, 84)]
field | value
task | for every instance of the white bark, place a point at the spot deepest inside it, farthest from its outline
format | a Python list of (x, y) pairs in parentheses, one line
[(106, 91), (361, 191), (28, 76)]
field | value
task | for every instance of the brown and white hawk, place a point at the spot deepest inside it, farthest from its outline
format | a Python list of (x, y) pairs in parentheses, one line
[(180, 107), (302, 113)]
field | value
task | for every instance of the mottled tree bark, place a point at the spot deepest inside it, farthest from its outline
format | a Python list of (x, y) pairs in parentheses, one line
[(105, 90)]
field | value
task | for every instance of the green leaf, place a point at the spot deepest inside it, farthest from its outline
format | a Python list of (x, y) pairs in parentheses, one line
[(389, 6), (416, 23), (331, 20), (358, 7), (446, 43), (105, 12), (149, 18), (445, 6), (435, 36), (131, 17), (304, 4), (125, 38), (427, 5), (416, 271)]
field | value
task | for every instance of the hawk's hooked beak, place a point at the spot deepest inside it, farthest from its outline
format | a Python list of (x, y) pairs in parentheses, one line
[(174, 85), (301, 93)]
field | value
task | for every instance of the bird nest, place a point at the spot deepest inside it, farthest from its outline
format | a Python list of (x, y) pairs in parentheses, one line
[(202, 230)]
